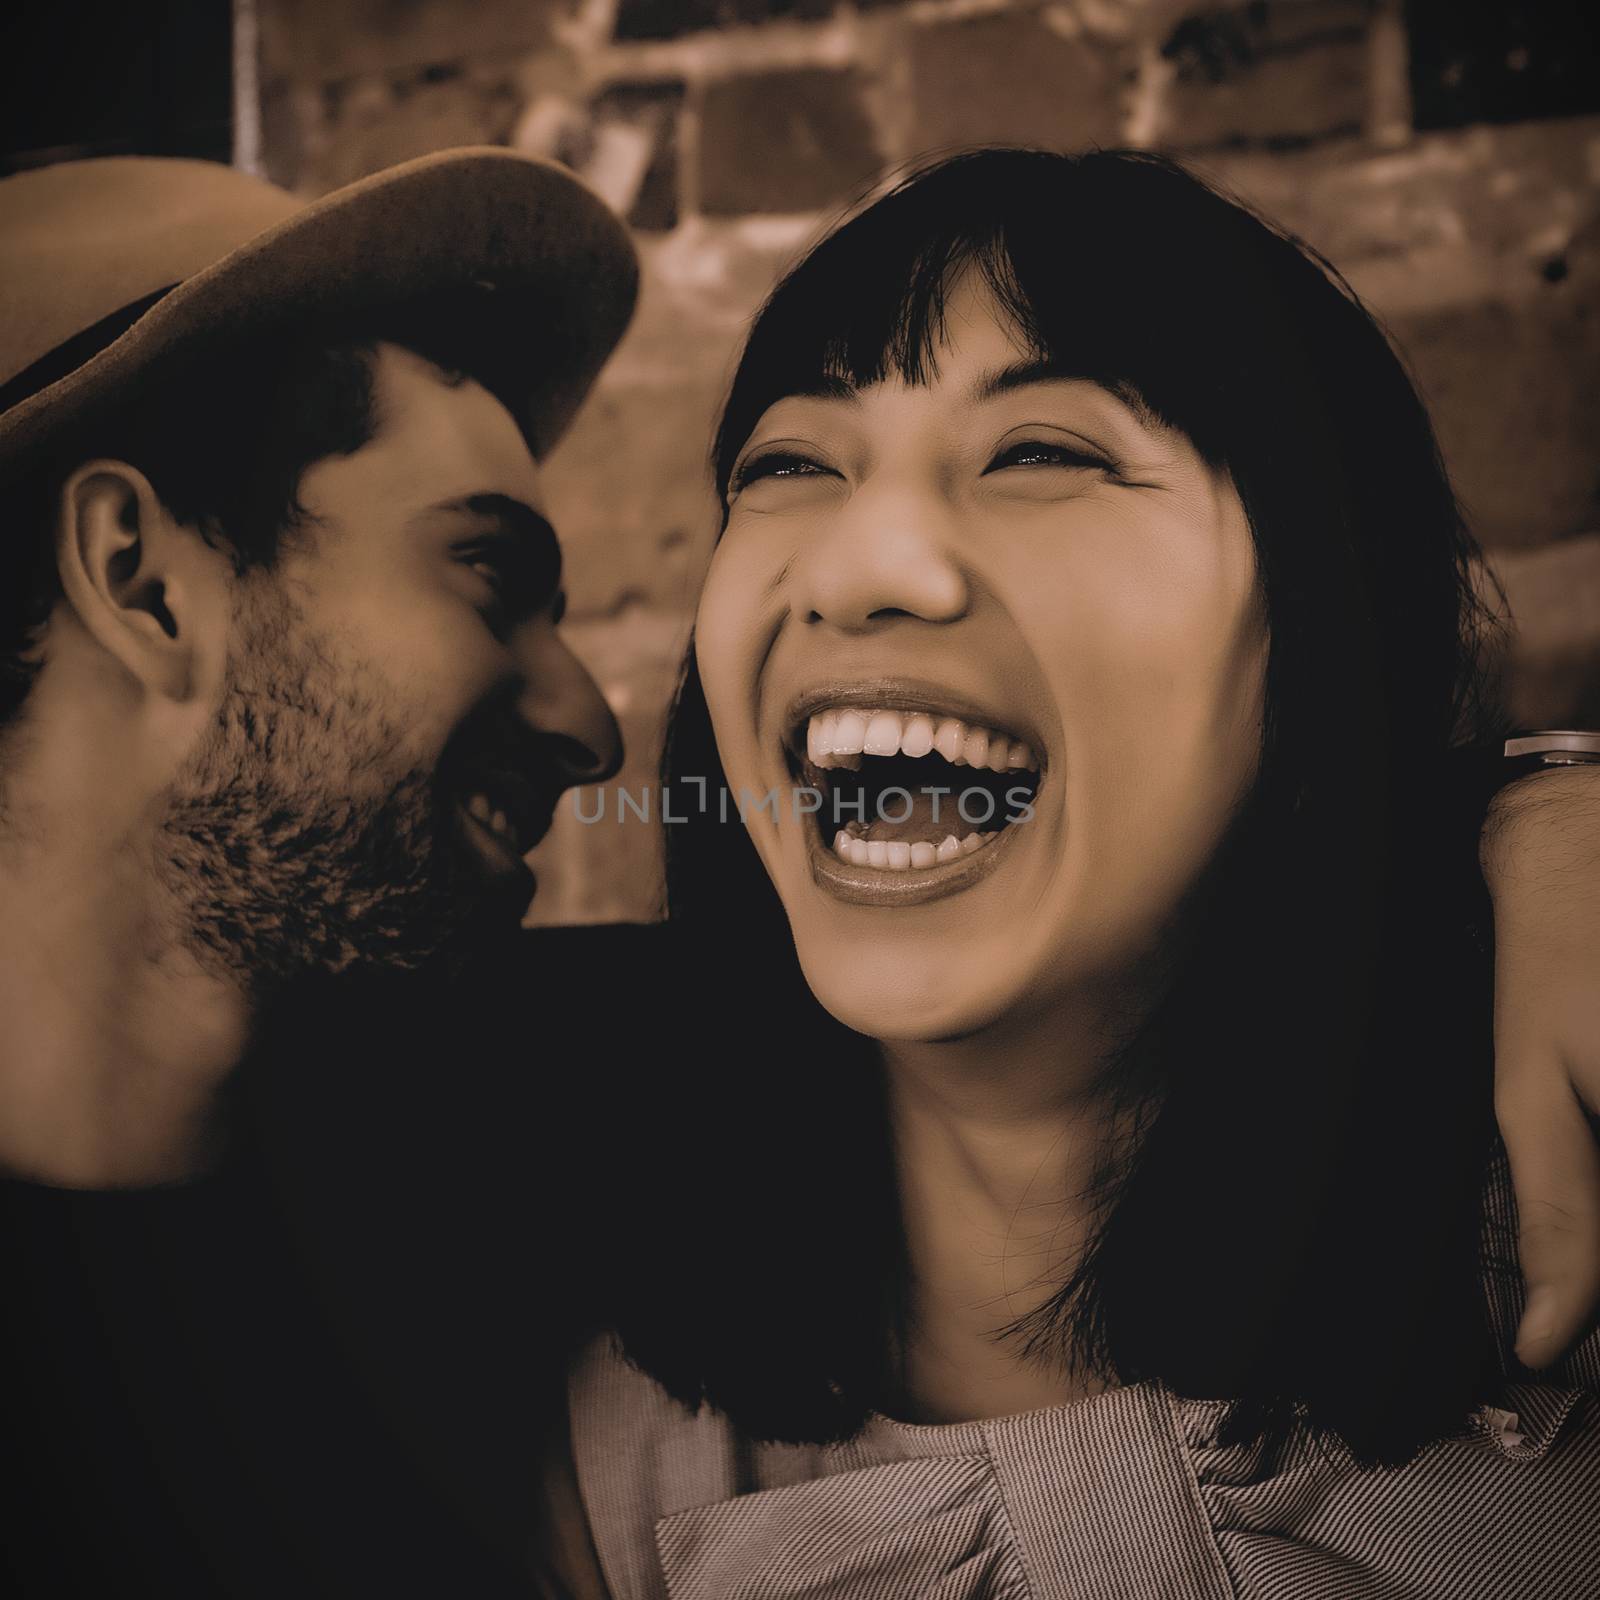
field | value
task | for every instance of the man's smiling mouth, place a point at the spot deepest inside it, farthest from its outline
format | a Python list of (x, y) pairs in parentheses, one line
[(498, 783), (504, 815), (914, 799), (519, 837)]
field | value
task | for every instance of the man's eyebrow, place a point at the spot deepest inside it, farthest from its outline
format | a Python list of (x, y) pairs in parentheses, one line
[(516, 516), (538, 545), (1047, 370)]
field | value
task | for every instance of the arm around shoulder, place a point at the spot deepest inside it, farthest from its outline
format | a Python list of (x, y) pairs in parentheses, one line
[(1541, 861)]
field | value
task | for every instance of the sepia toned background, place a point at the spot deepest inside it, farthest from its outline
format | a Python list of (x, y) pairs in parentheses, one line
[(1445, 155)]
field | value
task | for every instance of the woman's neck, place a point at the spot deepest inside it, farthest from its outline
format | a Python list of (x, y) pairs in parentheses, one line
[(997, 1145)]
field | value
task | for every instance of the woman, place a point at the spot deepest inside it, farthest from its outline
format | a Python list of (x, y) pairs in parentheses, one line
[(1116, 1218)]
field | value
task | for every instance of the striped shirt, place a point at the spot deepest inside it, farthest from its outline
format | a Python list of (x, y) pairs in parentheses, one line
[(1125, 1495)]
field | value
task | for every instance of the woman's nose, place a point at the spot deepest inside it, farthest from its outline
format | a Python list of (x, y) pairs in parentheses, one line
[(887, 555), (563, 705)]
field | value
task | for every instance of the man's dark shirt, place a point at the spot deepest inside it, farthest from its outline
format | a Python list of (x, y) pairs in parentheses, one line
[(324, 1370)]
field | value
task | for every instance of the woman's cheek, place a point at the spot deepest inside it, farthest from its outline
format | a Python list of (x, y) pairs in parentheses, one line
[(1154, 675), (725, 650)]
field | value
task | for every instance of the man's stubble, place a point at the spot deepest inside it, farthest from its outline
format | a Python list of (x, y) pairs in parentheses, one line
[(303, 837)]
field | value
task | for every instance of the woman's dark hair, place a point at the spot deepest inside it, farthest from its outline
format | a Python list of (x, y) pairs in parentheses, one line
[(1295, 1226)]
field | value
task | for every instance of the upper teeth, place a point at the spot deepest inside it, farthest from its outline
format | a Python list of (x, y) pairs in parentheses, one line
[(841, 738), (490, 816)]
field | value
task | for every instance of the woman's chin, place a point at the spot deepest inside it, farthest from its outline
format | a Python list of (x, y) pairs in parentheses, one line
[(881, 994)]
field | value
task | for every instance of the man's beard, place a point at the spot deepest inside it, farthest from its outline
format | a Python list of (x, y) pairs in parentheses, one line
[(302, 838)]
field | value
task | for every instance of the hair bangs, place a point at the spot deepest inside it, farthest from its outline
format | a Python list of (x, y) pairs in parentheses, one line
[(1082, 278), (868, 305), (903, 342)]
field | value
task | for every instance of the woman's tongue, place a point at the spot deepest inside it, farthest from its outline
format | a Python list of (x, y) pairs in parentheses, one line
[(920, 825)]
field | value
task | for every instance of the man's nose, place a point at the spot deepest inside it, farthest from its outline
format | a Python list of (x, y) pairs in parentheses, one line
[(888, 554), (564, 706)]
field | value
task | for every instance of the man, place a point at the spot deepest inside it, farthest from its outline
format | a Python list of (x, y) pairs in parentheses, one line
[(286, 700), (283, 697), (286, 687)]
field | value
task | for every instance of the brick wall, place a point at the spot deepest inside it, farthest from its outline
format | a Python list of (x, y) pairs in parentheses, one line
[(1449, 166)]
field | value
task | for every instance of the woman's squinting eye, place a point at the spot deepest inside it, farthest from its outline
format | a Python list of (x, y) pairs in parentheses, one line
[(773, 464), (1047, 453)]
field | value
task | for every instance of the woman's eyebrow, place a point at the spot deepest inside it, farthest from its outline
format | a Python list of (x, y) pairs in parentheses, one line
[(1048, 370), (827, 387)]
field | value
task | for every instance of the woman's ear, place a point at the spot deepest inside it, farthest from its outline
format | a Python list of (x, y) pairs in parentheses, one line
[(141, 584)]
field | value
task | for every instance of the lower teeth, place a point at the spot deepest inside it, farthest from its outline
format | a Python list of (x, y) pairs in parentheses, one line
[(897, 856)]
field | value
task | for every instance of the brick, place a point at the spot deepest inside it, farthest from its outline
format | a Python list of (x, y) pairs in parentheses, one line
[(605, 864), (784, 142), (375, 124), (629, 489), (1472, 247), (651, 111), (1514, 387), (288, 113), (1488, 192), (1269, 26), (1274, 75), (313, 41), (1553, 678), (1505, 63), (670, 19), (628, 492), (1011, 79)]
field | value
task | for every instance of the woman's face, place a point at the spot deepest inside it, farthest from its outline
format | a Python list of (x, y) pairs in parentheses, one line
[(916, 573)]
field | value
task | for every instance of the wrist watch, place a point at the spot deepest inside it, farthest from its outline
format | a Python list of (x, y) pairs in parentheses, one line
[(1553, 747)]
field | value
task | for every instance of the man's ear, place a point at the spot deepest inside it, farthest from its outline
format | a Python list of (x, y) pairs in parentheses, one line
[(144, 586)]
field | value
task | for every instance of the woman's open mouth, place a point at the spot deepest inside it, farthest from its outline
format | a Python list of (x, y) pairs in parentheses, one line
[(908, 804)]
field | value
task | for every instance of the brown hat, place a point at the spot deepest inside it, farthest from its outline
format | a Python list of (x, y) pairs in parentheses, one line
[(112, 269)]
